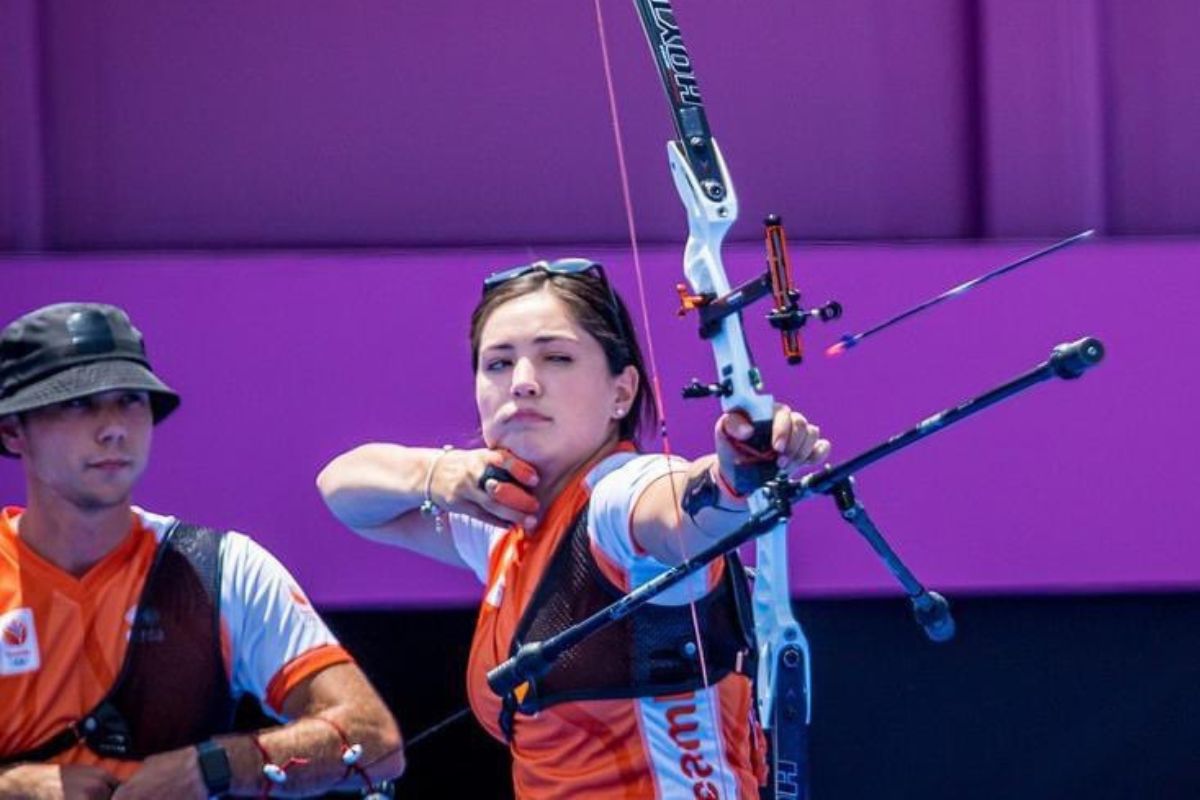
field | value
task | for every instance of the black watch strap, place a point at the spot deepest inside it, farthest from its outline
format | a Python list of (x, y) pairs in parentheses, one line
[(214, 767)]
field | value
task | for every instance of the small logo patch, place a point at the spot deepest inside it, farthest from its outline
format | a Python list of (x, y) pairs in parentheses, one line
[(15, 633), (18, 643)]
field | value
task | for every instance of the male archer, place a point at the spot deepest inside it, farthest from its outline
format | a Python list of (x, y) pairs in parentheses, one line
[(126, 636)]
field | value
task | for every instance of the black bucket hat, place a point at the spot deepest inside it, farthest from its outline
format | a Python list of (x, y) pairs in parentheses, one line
[(70, 350)]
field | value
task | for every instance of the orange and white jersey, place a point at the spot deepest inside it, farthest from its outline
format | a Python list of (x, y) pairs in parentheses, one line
[(701, 744), (63, 638)]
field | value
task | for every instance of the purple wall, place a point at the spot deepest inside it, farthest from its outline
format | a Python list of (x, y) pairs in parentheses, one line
[(283, 360), (143, 126), (22, 195), (139, 124)]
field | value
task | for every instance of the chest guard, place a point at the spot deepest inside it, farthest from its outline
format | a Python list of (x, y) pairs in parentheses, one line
[(172, 690), (650, 653)]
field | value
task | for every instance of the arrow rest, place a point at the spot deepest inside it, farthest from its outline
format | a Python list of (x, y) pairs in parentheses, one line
[(696, 389)]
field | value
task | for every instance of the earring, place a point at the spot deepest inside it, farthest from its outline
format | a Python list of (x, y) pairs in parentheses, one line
[(618, 412)]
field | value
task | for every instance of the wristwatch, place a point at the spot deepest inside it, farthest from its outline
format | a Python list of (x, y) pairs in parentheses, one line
[(214, 767)]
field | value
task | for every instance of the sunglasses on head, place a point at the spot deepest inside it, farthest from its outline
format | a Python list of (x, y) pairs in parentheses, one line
[(562, 266)]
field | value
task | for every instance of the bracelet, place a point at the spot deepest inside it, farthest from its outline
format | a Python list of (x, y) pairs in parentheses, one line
[(428, 507), (351, 755), (274, 774)]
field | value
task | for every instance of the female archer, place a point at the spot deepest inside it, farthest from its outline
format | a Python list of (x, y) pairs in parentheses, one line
[(559, 515)]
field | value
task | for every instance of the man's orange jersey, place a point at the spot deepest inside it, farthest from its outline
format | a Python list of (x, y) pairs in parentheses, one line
[(702, 744), (63, 639)]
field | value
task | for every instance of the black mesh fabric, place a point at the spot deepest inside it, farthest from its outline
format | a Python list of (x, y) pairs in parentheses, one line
[(651, 652), (172, 691)]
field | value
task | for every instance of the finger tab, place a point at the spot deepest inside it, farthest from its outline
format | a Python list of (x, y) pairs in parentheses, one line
[(515, 497), (523, 472)]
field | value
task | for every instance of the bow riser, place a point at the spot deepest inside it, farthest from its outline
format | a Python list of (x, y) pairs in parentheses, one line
[(708, 223)]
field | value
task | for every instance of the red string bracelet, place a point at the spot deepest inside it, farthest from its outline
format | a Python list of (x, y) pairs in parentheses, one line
[(274, 774), (351, 755)]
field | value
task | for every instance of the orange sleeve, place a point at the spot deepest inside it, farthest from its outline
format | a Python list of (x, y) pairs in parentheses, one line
[(300, 668)]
